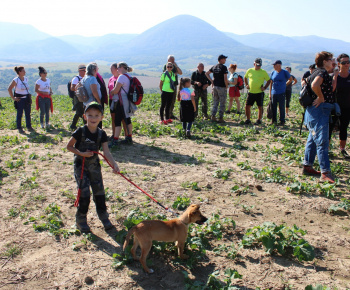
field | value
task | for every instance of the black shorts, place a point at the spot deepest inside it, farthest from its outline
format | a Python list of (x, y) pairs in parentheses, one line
[(111, 109), (258, 98)]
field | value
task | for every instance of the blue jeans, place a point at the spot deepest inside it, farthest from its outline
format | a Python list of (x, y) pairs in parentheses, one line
[(317, 121), (23, 105), (281, 100), (45, 107)]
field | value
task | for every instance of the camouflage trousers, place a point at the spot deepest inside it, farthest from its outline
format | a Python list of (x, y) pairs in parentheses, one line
[(219, 96), (203, 94)]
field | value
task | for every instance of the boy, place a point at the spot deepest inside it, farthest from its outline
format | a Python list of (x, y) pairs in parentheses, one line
[(84, 140)]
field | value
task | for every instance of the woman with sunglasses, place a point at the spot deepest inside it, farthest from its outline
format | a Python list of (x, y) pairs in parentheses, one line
[(342, 94), (22, 98), (167, 88), (43, 99), (317, 118)]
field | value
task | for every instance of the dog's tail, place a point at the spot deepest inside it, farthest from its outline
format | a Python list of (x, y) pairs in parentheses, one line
[(127, 238)]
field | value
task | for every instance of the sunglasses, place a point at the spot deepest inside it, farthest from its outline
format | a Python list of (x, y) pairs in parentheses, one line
[(345, 62), (169, 66), (328, 59)]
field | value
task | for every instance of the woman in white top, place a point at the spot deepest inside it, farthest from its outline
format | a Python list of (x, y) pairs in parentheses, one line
[(233, 92), (43, 99), (22, 98), (124, 109)]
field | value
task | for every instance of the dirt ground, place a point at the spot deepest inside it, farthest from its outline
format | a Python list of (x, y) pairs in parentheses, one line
[(162, 166)]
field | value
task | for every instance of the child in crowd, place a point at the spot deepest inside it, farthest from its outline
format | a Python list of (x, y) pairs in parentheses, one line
[(43, 99), (188, 105), (85, 140)]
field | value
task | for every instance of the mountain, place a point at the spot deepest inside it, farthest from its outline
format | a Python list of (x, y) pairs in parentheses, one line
[(281, 43), (13, 33)]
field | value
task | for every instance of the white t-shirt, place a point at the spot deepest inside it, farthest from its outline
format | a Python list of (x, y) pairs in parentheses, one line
[(76, 80), (122, 79), (44, 86), (21, 87)]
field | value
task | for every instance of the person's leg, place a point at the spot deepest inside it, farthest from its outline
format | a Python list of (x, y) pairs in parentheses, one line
[(196, 99), (214, 108), (162, 106), (27, 110), (238, 105), (47, 111), (172, 104), (343, 128), (222, 99), (229, 105), (168, 111), (288, 97), (281, 104), (184, 124), (42, 110), (322, 143), (274, 102), (20, 109), (248, 111), (310, 151), (204, 97), (189, 126)]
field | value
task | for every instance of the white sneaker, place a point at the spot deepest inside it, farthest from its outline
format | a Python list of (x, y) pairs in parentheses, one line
[(47, 125), (42, 125)]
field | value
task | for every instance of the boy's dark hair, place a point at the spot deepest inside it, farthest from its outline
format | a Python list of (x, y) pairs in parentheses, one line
[(94, 105), (288, 67), (312, 66), (321, 57), (342, 56)]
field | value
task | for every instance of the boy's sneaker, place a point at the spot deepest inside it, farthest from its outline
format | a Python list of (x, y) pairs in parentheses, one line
[(163, 122), (42, 125), (247, 122), (48, 126), (345, 154), (113, 143), (213, 118), (169, 121), (30, 129), (227, 112), (327, 176), (188, 134), (83, 227), (258, 122), (127, 140), (238, 112), (221, 120), (20, 131), (308, 170), (107, 224)]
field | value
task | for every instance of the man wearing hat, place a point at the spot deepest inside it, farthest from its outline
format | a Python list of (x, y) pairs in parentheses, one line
[(220, 84), (256, 77), (77, 106), (280, 78)]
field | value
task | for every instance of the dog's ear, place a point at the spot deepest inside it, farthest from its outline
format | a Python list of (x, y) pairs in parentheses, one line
[(194, 209)]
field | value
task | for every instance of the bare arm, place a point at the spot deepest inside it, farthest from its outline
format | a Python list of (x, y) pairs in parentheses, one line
[(93, 88), (246, 83), (109, 157), (290, 80), (316, 87), (334, 81), (71, 148), (161, 85), (10, 88), (117, 88), (270, 89), (37, 87), (207, 74), (178, 70), (267, 84), (226, 81), (294, 81), (193, 102)]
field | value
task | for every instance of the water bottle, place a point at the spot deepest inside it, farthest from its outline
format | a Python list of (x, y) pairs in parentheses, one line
[(134, 96)]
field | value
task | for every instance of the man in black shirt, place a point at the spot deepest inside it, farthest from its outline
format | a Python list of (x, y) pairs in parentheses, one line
[(200, 83), (220, 84), (312, 67)]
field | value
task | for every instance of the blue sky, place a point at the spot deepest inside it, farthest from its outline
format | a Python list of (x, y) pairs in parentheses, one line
[(92, 18)]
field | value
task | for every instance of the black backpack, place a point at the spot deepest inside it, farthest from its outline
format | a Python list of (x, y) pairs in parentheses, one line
[(70, 92)]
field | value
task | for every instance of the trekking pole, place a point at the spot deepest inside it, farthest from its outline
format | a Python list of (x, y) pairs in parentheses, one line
[(151, 197)]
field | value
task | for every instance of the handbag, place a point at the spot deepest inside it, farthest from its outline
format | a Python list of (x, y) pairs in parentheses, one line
[(269, 110)]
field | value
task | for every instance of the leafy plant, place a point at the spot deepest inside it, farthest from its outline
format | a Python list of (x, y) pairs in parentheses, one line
[(181, 202), (340, 208), (223, 174), (284, 240)]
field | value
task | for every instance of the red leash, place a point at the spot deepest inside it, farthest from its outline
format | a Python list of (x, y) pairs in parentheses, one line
[(104, 157)]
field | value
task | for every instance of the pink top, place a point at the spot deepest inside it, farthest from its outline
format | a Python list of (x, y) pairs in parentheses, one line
[(111, 82)]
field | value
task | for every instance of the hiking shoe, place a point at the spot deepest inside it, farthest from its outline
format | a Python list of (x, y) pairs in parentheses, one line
[(345, 154), (258, 122), (308, 170), (188, 134), (163, 122), (20, 131), (213, 118), (206, 117), (169, 121), (107, 224), (48, 126), (227, 112), (327, 176), (30, 129), (238, 112), (127, 140), (247, 122), (42, 125), (173, 117), (83, 227), (113, 143), (221, 120), (281, 124)]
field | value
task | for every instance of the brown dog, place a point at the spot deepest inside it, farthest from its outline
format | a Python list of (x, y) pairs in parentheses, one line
[(166, 231)]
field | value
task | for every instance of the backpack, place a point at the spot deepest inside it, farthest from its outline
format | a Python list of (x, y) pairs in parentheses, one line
[(81, 92), (135, 93), (240, 83), (70, 92)]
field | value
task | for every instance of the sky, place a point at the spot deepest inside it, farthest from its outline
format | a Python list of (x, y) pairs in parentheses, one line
[(95, 18)]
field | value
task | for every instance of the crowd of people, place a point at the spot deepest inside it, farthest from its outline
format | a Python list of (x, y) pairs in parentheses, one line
[(329, 79)]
